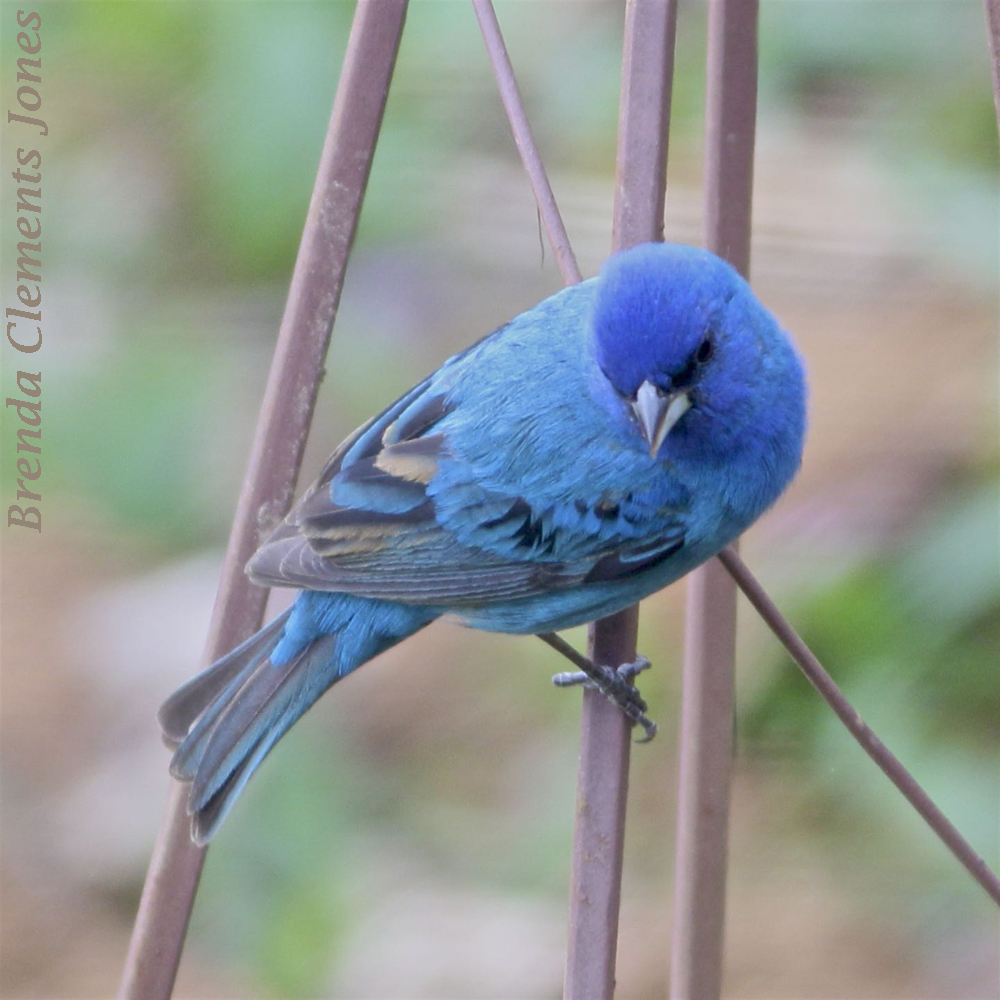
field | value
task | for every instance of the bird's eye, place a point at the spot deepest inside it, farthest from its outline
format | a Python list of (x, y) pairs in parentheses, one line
[(705, 351)]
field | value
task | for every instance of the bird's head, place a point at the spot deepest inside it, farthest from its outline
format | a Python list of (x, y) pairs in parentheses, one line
[(696, 362)]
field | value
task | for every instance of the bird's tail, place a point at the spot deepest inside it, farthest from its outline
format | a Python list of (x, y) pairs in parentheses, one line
[(224, 721)]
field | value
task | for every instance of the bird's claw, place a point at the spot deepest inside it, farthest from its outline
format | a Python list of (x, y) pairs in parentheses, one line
[(614, 685), (578, 678)]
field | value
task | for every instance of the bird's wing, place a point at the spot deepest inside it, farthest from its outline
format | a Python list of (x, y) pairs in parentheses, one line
[(384, 520)]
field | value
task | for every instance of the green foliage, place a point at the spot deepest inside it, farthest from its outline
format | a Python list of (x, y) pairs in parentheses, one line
[(135, 432)]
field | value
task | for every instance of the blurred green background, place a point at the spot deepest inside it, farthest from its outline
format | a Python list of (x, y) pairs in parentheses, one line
[(411, 837)]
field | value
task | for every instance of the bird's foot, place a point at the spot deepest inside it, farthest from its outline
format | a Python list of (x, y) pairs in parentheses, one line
[(577, 678), (614, 685)]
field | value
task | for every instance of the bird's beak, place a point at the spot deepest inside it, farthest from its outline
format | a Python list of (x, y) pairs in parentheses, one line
[(657, 414)]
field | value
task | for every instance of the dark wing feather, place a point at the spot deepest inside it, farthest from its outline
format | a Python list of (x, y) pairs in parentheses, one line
[(363, 444), (368, 527)]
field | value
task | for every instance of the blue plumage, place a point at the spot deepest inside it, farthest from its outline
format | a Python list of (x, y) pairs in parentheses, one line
[(595, 449)]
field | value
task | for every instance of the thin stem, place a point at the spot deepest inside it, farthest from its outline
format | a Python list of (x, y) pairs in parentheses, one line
[(708, 696), (703, 793), (561, 646), (602, 781), (605, 742), (172, 880), (526, 146), (993, 32), (858, 728), (644, 122)]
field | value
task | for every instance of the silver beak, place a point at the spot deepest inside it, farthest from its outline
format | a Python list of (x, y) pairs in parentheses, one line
[(657, 414)]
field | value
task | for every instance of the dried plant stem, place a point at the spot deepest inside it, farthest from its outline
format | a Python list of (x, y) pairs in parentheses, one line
[(605, 733), (605, 736), (708, 700), (168, 895), (525, 141), (849, 716), (993, 34), (703, 793)]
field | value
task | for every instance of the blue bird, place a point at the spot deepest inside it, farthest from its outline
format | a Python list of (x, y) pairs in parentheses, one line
[(590, 452)]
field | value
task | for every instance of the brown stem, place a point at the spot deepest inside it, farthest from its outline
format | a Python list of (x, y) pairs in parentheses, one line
[(296, 370), (602, 782), (993, 33), (857, 727), (525, 140), (707, 701)]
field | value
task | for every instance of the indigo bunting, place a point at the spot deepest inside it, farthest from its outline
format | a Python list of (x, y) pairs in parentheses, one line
[(590, 452)]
